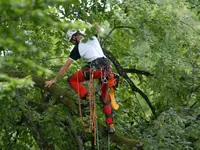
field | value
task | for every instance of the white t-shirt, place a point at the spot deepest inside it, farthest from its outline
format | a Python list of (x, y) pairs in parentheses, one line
[(89, 50)]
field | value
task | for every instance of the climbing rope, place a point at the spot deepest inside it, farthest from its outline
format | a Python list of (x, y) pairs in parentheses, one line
[(92, 126)]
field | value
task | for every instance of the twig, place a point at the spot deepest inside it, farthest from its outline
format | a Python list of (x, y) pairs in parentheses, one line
[(117, 27), (191, 107), (142, 72), (55, 58), (190, 27)]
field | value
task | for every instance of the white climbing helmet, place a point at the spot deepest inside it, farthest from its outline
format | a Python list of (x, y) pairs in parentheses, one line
[(71, 32)]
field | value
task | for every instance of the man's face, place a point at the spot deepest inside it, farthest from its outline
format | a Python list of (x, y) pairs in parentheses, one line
[(74, 40)]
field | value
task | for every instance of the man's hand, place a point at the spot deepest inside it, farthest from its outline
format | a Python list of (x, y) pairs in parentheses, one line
[(97, 27), (49, 83)]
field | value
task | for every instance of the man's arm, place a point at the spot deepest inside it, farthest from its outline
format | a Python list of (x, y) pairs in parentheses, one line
[(63, 69)]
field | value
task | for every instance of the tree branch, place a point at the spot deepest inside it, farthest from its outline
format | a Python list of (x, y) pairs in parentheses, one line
[(62, 95), (124, 73), (37, 133), (190, 27), (192, 106), (69, 122), (117, 27), (142, 72), (126, 77)]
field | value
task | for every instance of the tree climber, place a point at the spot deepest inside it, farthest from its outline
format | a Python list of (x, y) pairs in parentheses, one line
[(97, 63)]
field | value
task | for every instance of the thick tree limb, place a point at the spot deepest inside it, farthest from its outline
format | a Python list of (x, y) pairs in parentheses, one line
[(65, 97), (62, 95)]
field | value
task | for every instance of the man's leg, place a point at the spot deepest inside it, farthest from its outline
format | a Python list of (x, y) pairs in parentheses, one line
[(75, 83), (80, 76), (107, 108)]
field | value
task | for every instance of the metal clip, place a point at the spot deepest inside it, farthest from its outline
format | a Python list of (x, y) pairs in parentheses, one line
[(105, 80)]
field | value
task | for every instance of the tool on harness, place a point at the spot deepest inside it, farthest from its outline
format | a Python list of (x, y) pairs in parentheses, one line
[(107, 77), (114, 104), (104, 78), (113, 81), (102, 64)]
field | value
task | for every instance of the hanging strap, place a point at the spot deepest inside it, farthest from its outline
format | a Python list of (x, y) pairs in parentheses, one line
[(114, 104), (113, 80)]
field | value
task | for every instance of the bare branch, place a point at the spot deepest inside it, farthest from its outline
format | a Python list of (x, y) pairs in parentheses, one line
[(190, 27), (117, 27), (130, 82), (142, 72)]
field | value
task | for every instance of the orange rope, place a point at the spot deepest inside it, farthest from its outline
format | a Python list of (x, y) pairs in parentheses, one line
[(92, 106)]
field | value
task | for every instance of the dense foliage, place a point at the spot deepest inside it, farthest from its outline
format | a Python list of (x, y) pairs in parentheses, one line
[(154, 46)]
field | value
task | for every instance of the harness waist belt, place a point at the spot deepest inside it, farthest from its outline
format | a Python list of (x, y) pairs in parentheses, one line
[(99, 63)]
